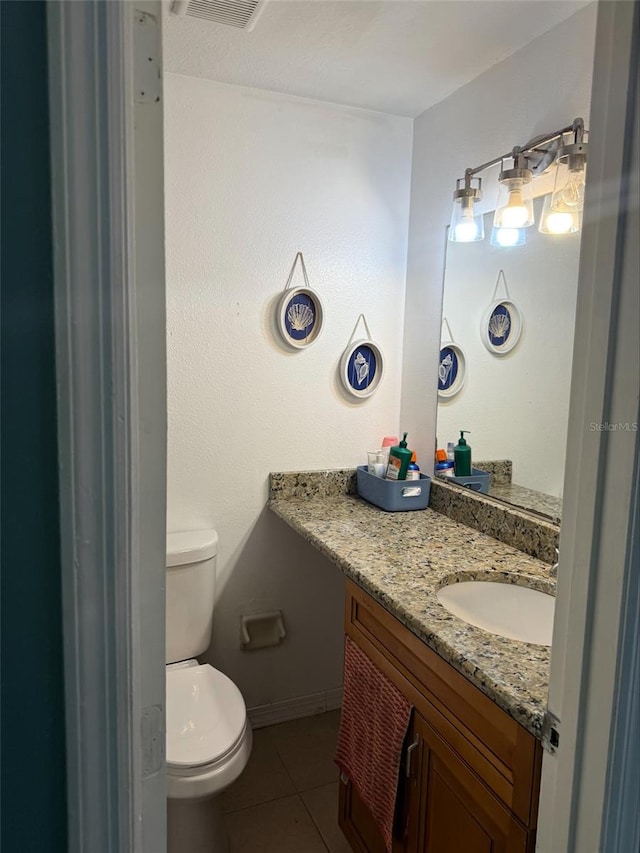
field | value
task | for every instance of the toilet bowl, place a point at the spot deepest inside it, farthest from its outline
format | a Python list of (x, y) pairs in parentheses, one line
[(208, 735), (209, 738)]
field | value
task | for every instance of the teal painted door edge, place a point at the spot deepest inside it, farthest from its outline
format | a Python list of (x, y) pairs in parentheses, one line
[(34, 807)]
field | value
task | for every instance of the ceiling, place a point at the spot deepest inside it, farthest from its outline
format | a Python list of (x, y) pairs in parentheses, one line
[(398, 56)]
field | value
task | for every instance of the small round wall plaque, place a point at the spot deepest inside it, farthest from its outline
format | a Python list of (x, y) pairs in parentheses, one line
[(300, 317), (501, 326), (452, 370), (361, 368)]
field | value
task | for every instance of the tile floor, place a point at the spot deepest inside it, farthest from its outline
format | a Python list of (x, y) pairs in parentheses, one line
[(286, 801)]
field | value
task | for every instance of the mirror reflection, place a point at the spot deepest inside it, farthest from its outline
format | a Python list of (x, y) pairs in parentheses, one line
[(514, 397)]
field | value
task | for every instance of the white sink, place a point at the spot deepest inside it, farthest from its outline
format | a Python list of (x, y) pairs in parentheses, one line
[(512, 611)]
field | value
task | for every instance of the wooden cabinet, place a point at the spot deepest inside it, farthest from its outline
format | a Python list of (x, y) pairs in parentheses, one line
[(470, 774)]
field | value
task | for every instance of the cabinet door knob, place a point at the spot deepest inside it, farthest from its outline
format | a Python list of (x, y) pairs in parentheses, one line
[(410, 750)]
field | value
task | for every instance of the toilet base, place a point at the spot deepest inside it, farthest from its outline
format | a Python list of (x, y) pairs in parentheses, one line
[(196, 826)]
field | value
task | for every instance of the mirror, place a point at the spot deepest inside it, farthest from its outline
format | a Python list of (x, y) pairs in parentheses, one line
[(514, 401)]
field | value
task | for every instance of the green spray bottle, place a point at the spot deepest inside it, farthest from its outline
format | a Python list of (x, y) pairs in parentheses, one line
[(462, 457)]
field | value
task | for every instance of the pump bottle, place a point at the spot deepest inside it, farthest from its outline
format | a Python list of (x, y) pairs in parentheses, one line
[(399, 459), (462, 457)]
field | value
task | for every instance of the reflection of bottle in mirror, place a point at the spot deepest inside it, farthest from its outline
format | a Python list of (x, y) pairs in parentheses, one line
[(450, 451), (444, 466), (462, 456)]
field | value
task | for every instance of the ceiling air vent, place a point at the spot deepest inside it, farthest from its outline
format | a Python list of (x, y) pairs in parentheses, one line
[(234, 13)]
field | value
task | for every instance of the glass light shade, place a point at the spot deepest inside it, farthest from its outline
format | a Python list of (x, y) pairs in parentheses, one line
[(467, 224), (568, 188), (515, 204), (507, 237), (559, 220)]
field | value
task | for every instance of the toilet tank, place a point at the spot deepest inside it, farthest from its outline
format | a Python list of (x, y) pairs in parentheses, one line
[(191, 575)]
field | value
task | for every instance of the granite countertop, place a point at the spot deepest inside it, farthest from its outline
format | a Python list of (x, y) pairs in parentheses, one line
[(402, 559)]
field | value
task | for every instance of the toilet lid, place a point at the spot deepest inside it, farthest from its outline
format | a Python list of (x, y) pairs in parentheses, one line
[(206, 715)]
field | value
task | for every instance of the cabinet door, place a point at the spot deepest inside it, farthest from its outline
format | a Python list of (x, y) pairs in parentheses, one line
[(457, 812), (355, 819)]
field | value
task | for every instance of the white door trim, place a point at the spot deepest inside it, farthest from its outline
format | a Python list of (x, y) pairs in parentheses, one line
[(596, 542), (114, 705)]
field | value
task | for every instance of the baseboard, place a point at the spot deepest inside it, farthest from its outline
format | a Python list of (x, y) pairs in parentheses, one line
[(293, 709), (334, 699)]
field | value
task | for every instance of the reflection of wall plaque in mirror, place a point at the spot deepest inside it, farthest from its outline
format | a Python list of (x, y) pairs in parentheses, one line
[(501, 324), (452, 366)]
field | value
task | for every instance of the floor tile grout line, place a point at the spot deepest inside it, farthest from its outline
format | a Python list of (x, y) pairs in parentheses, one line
[(263, 802), (321, 785), (280, 757), (315, 825), (296, 792)]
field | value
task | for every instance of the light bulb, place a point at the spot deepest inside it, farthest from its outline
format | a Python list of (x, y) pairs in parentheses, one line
[(467, 229), (572, 194), (507, 236), (515, 213), (515, 201), (466, 221), (559, 222)]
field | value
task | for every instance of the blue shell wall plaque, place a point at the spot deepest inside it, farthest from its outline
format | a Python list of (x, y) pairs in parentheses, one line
[(300, 313), (501, 324), (501, 327), (447, 369), (300, 317), (452, 370), (361, 366)]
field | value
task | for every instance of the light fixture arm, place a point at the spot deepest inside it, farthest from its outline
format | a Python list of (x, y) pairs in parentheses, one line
[(514, 209), (576, 127)]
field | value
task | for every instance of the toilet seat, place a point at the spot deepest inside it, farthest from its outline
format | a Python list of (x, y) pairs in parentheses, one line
[(208, 736)]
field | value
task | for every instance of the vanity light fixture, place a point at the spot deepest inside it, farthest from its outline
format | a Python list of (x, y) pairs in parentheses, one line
[(562, 210)]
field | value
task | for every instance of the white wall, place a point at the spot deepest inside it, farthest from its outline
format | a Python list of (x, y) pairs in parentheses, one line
[(516, 405), (540, 88), (251, 178)]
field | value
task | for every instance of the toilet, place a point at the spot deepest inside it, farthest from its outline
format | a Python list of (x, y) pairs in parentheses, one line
[(208, 734)]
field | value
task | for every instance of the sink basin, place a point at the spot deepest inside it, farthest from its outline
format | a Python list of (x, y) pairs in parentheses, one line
[(512, 611)]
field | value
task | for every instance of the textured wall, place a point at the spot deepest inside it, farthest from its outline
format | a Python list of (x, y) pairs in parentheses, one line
[(251, 178), (541, 87)]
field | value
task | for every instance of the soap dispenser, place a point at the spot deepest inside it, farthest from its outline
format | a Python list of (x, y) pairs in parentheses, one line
[(462, 457), (399, 459)]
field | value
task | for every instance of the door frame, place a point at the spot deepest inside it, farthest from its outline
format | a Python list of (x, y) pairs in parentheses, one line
[(108, 223), (110, 328), (596, 624)]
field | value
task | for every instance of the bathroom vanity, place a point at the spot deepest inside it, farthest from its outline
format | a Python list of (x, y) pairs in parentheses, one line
[(470, 773), (470, 770)]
